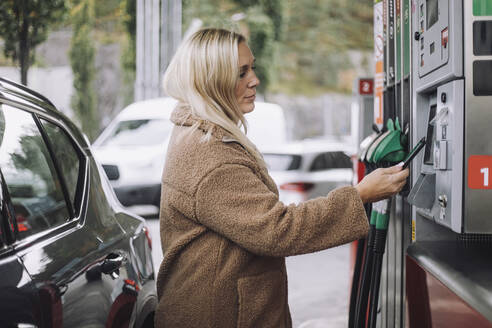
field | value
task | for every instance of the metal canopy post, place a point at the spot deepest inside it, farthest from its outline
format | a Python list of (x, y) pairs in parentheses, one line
[(158, 36)]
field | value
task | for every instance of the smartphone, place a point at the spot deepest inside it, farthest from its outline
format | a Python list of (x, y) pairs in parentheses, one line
[(414, 152)]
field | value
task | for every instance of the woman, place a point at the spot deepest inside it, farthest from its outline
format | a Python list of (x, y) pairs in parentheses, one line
[(224, 232)]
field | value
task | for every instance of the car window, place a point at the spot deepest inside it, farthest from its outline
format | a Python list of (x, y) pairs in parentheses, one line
[(282, 162), (331, 160), (68, 157), (139, 133), (29, 174)]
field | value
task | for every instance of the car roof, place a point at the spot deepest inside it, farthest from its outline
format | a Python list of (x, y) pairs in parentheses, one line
[(151, 108), (310, 146), (20, 96)]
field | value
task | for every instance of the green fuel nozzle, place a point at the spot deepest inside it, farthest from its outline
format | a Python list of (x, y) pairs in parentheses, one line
[(381, 150), (390, 148)]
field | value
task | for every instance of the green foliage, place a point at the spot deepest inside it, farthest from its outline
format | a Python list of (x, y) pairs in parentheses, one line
[(274, 9), (33, 157), (261, 41), (300, 45), (106, 8), (24, 24), (130, 21), (262, 26), (82, 55), (316, 39), (109, 20), (128, 58), (214, 13), (271, 8)]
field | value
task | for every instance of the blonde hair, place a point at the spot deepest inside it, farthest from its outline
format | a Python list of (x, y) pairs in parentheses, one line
[(203, 75)]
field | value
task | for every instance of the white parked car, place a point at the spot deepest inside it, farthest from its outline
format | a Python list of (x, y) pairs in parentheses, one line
[(132, 151), (266, 125), (308, 169), (133, 147)]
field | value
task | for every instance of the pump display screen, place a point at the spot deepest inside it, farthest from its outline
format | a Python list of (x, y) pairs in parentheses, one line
[(432, 12), (431, 137)]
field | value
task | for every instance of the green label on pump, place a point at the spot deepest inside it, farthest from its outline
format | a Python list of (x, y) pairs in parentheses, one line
[(374, 217), (482, 7), (382, 222)]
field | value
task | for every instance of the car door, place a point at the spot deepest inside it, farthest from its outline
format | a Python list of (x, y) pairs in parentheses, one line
[(70, 246), (111, 282), (16, 290)]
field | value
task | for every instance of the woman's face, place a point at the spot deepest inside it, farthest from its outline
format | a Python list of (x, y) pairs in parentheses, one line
[(246, 86)]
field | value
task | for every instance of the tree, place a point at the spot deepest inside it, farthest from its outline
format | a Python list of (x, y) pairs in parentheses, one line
[(262, 22), (261, 41), (273, 9), (317, 36), (82, 56), (24, 24), (33, 157), (128, 59)]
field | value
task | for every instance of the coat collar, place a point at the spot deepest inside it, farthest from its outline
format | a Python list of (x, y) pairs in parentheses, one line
[(183, 116)]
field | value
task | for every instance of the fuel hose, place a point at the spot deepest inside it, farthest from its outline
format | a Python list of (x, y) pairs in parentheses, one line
[(354, 291), (361, 307), (379, 248)]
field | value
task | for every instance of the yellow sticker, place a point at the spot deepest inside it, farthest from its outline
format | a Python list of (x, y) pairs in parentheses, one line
[(413, 230)]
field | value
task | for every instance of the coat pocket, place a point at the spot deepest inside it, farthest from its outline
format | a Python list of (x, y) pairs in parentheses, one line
[(262, 300)]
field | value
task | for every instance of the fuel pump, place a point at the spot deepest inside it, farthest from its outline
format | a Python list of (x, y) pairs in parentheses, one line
[(439, 112), (441, 55), (452, 96)]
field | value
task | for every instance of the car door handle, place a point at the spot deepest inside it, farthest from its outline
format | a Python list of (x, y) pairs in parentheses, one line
[(63, 289), (112, 263)]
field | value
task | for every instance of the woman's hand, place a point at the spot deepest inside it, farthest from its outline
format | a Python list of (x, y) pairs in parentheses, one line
[(382, 183)]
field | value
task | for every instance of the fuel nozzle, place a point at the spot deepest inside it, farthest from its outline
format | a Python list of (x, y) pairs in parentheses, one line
[(391, 148), (366, 144), (387, 149)]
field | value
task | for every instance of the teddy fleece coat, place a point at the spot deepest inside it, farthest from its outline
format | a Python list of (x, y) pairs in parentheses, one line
[(225, 233)]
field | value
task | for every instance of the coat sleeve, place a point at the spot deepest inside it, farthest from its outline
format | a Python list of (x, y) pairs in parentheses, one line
[(235, 203)]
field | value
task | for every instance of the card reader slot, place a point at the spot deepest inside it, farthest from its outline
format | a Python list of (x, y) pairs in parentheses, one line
[(431, 136)]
